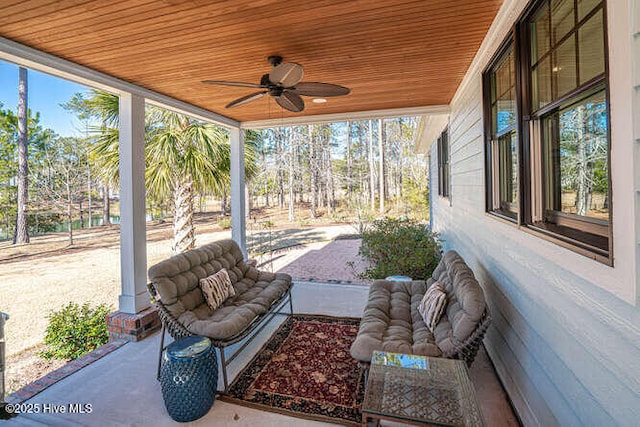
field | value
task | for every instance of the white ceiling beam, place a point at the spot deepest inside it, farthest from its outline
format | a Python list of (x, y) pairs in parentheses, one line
[(34, 59), (343, 117)]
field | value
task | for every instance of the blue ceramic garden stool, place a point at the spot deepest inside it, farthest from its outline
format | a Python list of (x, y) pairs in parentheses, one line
[(189, 378)]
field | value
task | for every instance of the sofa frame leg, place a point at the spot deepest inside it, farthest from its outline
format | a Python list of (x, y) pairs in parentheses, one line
[(224, 369), (161, 350)]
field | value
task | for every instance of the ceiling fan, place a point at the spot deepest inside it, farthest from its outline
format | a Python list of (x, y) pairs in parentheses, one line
[(284, 84)]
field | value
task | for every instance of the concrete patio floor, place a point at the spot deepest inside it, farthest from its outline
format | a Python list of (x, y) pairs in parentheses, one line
[(123, 391)]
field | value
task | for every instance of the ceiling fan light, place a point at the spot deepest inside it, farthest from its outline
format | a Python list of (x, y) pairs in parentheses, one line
[(319, 100)]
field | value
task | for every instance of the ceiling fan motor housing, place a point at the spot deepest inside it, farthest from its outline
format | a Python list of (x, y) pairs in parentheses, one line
[(275, 91), (264, 81)]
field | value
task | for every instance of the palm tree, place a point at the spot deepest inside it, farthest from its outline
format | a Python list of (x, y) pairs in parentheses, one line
[(184, 157)]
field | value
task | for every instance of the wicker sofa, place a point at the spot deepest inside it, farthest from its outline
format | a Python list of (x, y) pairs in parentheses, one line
[(174, 287), (391, 321)]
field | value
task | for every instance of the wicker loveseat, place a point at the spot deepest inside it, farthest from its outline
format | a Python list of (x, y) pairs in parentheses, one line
[(391, 321), (175, 289)]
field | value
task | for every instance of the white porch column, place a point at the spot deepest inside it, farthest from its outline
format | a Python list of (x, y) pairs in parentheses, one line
[(133, 245), (238, 207)]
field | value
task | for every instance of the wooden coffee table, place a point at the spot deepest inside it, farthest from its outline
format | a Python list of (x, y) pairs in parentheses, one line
[(420, 390)]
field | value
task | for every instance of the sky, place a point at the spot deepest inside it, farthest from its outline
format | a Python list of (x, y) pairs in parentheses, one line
[(45, 94)]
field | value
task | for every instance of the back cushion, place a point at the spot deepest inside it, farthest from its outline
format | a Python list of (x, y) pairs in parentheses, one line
[(177, 278), (466, 301)]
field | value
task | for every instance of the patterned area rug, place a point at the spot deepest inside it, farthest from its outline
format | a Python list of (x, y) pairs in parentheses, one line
[(305, 370)]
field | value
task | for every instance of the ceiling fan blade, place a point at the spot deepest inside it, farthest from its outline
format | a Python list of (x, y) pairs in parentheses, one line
[(320, 89), (290, 101), (287, 74), (241, 84), (245, 99)]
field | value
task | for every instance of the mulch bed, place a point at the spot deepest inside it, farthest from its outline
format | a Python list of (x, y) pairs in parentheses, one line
[(305, 370)]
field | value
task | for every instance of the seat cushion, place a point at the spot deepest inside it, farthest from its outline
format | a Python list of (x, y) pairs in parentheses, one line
[(391, 322), (176, 281), (253, 298)]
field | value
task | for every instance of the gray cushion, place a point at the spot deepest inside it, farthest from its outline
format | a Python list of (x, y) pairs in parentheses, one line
[(391, 321), (177, 282), (465, 305)]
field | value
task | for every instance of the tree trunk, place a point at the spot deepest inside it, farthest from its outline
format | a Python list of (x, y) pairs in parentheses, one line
[(349, 180), (89, 194), (266, 177), (280, 171), (329, 178), (585, 168), (22, 228), (81, 215), (223, 203), (106, 206), (184, 236), (381, 149), (69, 211), (372, 169), (312, 172), (291, 180)]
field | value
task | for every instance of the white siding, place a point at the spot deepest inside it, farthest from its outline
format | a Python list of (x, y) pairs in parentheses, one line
[(565, 336), (635, 10)]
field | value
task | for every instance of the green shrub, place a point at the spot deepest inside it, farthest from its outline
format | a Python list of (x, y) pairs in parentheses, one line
[(225, 223), (399, 247), (75, 330)]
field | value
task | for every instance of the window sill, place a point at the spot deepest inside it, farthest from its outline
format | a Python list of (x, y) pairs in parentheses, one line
[(573, 245), (510, 217)]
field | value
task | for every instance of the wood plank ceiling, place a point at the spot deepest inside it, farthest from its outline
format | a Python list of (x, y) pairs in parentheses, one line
[(391, 53)]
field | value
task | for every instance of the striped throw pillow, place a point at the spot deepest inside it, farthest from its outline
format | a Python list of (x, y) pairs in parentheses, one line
[(433, 305), (217, 288)]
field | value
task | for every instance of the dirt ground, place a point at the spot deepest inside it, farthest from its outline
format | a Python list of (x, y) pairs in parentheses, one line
[(48, 273)]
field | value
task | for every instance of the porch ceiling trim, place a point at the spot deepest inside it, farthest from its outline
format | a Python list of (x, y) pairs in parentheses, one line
[(349, 116), (34, 59), (429, 128)]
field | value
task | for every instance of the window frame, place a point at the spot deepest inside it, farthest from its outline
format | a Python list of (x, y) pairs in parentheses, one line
[(444, 170), (493, 177), (570, 230)]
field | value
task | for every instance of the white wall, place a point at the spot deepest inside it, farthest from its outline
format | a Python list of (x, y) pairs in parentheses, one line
[(565, 337), (635, 55)]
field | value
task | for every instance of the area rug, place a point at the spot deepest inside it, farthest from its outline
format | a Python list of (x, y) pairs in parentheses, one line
[(305, 370)]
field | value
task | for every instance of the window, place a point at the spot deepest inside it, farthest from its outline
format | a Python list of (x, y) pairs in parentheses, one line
[(443, 163), (571, 120), (502, 143), (553, 65)]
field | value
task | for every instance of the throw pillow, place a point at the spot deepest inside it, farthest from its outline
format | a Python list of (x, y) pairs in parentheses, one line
[(217, 288), (433, 305)]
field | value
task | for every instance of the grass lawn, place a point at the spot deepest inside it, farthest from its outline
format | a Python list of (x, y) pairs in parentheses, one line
[(47, 273)]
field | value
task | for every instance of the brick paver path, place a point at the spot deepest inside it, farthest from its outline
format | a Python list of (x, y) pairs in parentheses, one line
[(325, 262)]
